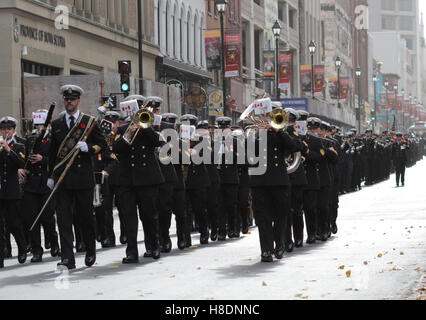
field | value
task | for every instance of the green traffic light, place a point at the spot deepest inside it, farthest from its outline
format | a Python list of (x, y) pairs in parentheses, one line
[(124, 87)]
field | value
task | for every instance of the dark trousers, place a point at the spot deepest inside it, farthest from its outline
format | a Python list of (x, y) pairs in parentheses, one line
[(228, 216), (198, 200), (80, 204), (310, 201), (400, 173), (323, 221), (144, 199), (295, 217), (31, 205), (243, 205), (164, 206), (10, 216), (213, 206), (178, 207), (111, 198), (270, 207)]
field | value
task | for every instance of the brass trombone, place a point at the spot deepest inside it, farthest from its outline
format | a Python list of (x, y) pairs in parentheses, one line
[(143, 119)]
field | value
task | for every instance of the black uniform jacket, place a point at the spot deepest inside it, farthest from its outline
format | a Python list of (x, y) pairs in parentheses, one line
[(37, 174), (81, 174), (198, 177), (139, 166), (298, 178), (315, 155), (279, 146), (9, 165)]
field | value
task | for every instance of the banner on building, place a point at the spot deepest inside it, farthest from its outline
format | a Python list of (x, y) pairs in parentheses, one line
[(216, 104), (213, 47), (269, 64), (344, 88), (306, 77), (391, 101), (382, 100), (399, 103), (406, 107), (319, 73), (284, 62), (232, 53), (412, 111)]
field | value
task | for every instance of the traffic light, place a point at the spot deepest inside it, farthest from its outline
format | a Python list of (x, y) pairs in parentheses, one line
[(124, 69), (373, 116)]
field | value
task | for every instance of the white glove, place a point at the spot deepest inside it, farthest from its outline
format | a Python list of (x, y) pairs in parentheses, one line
[(50, 184), (82, 146)]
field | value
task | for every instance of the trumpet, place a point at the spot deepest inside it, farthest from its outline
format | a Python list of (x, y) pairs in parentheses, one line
[(144, 119)]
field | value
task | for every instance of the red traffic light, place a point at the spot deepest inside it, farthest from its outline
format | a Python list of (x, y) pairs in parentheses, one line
[(124, 66)]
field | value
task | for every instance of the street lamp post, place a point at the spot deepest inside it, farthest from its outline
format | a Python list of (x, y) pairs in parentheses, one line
[(221, 8), (312, 48), (375, 79), (402, 109), (338, 63), (387, 105), (358, 75), (395, 108), (276, 29), (140, 47)]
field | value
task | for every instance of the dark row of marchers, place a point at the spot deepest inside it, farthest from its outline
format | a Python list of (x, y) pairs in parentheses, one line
[(218, 201)]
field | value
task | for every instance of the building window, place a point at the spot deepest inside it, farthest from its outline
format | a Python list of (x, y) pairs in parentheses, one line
[(388, 23), (409, 43), (39, 69), (388, 5), (292, 18), (281, 12), (405, 5), (406, 23)]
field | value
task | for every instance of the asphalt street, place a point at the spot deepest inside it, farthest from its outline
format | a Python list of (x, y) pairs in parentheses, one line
[(378, 253)]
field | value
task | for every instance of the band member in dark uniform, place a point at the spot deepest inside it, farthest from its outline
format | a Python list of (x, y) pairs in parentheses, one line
[(298, 183), (197, 183), (75, 194), (139, 179), (12, 158), (229, 218), (271, 191), (35, 175), (399, 156)]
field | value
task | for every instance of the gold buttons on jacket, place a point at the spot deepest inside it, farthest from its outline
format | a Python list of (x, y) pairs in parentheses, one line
[(132, 164), (143, 147), (132, 156)]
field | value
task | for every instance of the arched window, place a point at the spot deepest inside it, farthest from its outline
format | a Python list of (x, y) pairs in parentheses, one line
[(195, 40), (174, 31), (188, 37), (181, 31), (167, 27)]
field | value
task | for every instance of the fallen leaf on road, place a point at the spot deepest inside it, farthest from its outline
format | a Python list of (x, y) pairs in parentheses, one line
[(305, 297), (348, 289), (348, 273), (298, 295), (249, 232), (193, 247), (342, 267), (113, 267), (379, 255), (401, 253), (264, 283), (365, 262), (199, 268), (173, 276), (390, 262)]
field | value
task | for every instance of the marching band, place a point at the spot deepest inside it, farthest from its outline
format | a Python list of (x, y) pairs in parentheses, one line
[(70, 174)]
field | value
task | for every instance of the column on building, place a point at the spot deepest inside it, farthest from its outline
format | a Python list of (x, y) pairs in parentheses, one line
[(88, 8), (125, 15), (96, 10), (162, 26), (177, 32), (79, 6), (118, 17), (111, 12)]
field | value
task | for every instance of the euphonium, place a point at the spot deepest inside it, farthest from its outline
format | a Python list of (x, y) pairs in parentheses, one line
[(144, 118)]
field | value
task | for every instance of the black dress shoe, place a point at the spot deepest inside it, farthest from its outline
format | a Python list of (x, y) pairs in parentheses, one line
[(22, 257), (279, 252), (266, 257), (318, 237), (130, 259), (156, 254), (123, 239), (148, 254), (328, 234), (221, 236), (324, 237), (28, 248), (67, 263), (1, 264), (181, 244), (213, 235), (54, 250), (108, 243), (37, 257), (334, 228), (311, 240), (167, 247), (204, 238), (289, 247), (90, 259), (245, 230), (47, 244), (299, 243)]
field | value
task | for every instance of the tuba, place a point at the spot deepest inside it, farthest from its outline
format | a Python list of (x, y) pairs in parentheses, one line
[(144, 118), (278, 121)]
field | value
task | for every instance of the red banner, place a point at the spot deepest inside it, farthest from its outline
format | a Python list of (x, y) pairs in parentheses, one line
[(284, 62), (212, 44), (391, 101), (382, 99), (319, 73), (344, 88), (406, 107), (418, 110), (399, 103), (232, 53), (412, 111), (306, 77)]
